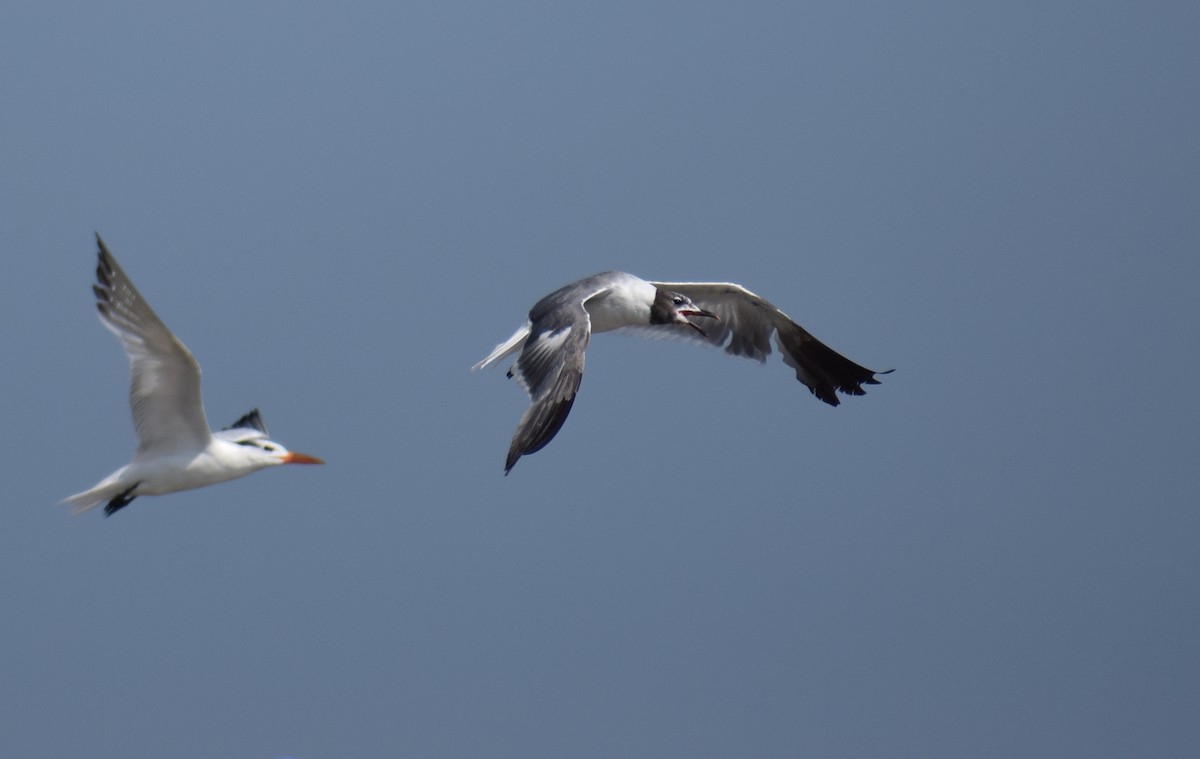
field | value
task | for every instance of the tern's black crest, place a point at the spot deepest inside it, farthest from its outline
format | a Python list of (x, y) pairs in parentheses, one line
[(250, 421)]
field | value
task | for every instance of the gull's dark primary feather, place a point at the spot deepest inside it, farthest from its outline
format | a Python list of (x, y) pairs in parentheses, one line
[(745, 326), (550, 369)]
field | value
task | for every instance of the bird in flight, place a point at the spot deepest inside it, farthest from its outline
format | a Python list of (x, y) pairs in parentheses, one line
[(176, 450), (554, 338)]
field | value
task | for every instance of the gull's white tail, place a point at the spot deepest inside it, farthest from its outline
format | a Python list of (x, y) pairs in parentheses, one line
[(506, 348)]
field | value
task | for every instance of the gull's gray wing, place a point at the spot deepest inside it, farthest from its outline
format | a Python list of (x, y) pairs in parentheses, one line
[(744, 327), (550, 366), (164, 391)]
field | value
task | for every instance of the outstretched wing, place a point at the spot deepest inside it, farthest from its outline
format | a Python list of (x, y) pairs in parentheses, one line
[(164, 391), (744, 327), (550, 368)]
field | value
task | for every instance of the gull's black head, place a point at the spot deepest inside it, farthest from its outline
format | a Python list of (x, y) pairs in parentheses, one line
[(675, 308)]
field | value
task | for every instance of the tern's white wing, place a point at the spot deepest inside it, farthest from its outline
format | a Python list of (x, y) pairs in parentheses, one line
[(164, 392), (747, 321)]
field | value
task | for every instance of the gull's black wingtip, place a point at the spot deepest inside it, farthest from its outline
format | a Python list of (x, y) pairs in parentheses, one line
[(872, 381)]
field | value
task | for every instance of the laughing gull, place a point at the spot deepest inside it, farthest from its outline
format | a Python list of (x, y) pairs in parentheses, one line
[(554, 338)]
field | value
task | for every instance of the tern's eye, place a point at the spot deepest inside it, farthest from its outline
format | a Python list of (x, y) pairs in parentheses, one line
[(268, 447)]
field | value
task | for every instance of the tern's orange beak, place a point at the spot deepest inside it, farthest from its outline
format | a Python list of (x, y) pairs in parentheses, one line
[(300, 458)]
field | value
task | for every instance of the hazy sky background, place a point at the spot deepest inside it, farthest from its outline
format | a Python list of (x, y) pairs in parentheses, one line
[(340, 208)]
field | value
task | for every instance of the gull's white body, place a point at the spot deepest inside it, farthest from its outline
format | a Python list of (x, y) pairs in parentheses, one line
[(176, 450), (554, 338), (610, 301)]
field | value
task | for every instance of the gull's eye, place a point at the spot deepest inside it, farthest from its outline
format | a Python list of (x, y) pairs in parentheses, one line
[(679, 301), (268, 447)]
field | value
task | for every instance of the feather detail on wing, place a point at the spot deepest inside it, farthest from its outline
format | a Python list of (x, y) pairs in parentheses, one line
[(550, 370), (164, 392), (744, 327)]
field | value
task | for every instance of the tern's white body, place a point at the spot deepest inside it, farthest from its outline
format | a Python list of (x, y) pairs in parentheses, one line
[(554, 338), (218, 461), (176, 450)]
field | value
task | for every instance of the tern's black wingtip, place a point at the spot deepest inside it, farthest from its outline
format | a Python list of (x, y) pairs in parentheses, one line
[(250, 420), (105, 263)]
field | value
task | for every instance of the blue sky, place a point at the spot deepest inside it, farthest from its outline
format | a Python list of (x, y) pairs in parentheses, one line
[(341, 208)]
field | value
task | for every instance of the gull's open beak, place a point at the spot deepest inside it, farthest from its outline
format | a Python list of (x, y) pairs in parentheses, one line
[(699, 312), (300, 458)]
